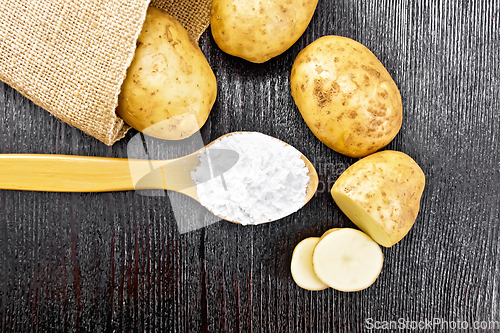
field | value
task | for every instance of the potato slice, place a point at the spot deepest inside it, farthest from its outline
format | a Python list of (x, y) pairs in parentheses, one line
[(301, 266), (329, 232), (347, 260)]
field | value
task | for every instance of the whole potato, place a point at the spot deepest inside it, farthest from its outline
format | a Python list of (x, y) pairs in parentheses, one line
[(170, 88), (381, 195), (346, 96), (258, 30)]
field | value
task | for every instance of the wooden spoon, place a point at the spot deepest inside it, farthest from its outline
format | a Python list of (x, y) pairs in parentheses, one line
[(65, 173)]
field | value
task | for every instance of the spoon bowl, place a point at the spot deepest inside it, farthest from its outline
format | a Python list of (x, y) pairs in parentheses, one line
[(192, 191)]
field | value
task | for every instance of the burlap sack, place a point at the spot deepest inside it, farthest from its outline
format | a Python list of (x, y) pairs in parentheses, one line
[(70, 57)]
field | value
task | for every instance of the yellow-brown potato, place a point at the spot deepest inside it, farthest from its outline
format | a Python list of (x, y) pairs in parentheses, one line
[(381, 195), (170, 88), (346, 96), (258, 30)]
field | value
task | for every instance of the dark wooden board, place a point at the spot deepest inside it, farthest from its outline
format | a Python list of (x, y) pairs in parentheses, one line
[(112, 262)]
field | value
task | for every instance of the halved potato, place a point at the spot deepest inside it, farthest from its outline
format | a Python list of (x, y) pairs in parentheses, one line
[(381, 195)]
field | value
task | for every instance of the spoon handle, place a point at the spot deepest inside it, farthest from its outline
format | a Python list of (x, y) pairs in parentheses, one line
[(63, 173)]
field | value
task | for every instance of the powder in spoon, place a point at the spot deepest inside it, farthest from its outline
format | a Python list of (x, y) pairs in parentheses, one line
[(268, 182)]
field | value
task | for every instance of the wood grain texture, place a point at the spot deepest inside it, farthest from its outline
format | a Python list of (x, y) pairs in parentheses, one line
[(113, 262)]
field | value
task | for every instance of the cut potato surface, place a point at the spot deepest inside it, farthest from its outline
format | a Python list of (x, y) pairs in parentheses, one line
[(302, 268), (361, 218), (347, 260)]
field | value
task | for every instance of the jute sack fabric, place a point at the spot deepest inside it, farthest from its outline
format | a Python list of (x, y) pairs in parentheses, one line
[(70, 57), (194, 15)]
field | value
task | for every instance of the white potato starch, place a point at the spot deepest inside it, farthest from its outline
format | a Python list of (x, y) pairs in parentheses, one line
[(267, 183)]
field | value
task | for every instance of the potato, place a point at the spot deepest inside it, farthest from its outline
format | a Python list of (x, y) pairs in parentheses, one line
[(301, 266), (258, 30), (330, 231), (170, 88), (347, 260), (381, 195), (346, 96)]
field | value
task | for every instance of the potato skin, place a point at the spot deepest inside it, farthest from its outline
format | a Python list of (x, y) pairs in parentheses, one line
[(388, 185), (346, 96), (258, 30), (170, 88)]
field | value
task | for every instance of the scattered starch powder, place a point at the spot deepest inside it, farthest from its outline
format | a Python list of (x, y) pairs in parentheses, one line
[(267, 183)]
